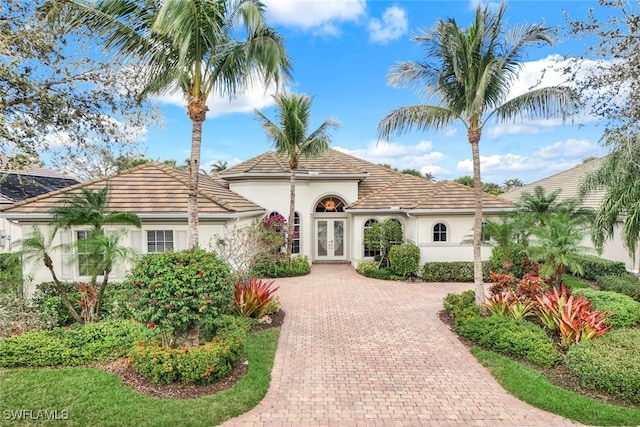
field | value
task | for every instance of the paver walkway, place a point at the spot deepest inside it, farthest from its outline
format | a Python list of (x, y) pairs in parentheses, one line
[(361, 352)]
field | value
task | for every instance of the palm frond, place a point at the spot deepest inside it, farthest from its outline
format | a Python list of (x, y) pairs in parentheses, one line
[(540, 103), (418, 117)]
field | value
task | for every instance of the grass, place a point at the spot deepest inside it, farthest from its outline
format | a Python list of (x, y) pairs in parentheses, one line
[(95, 397), (574, 283), (532, 387)]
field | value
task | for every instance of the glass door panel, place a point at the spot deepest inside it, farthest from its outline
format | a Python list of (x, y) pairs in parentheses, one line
[(323, 241)]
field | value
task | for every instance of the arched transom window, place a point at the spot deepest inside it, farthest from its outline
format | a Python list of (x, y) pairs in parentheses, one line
[(330, 204)]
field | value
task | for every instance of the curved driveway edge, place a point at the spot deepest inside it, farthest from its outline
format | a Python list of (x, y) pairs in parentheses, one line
[(355, 351)]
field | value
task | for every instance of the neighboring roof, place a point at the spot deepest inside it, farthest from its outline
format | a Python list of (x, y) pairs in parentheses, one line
[(149, 189), (409, 192), (331, 163), (568, 182), (20, 185)]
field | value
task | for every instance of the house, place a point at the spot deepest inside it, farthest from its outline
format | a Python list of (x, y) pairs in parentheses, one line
[(22, 184), (337, 197), (569, 182)]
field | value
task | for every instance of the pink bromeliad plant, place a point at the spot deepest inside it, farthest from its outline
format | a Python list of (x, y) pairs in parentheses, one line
[(254, 298)]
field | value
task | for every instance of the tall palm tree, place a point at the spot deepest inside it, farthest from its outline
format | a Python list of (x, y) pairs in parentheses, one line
[(472, 71), (290, 137), (192, 47)]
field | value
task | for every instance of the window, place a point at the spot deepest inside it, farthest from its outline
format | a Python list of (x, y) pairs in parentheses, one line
[(295, 240), (159, 240), (330, 204), (84, 259), (439, 232), (399, 242), (370, 251)]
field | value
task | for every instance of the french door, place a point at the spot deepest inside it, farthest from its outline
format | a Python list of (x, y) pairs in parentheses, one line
[(330, 239)]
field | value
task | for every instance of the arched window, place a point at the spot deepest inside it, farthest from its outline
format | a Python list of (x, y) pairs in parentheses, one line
[(439, 232), (330, 204), (370, 251), (295, 241), (401, 229)]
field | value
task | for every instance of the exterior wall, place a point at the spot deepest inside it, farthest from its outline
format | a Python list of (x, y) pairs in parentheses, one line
[(9, 232), (614, 249), (274, 195)]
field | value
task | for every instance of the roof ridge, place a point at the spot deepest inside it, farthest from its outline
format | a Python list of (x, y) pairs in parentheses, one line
[(380, 167)]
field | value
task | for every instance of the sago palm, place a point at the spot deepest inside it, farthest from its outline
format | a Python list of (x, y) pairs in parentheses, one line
[(471, 71), (193, 47), (290, 136)]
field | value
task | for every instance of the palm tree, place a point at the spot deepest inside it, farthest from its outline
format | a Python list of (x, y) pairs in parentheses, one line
[(472, 71), (540, 205), (290, 137), (38, 249), (509, 237), (512, 183), (89, 207), (219, 166), (192, 47)]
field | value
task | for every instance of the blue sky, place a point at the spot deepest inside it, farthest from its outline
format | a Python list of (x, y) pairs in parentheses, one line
[(342, 51)]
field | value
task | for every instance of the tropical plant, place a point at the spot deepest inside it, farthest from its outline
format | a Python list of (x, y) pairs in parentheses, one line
[(539, 205), (472, 72), (512, 183), (383, 235), (557, 245), (219, 166), (253, 298), (189, 47), (509, 236), (291, 137)]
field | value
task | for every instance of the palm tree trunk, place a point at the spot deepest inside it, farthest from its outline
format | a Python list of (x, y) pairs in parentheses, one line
[(63, 295), (292, 213), (100, 296), (194, 169), (474, 140)]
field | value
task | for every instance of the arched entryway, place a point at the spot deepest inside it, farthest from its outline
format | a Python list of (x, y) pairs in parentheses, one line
[(330, 222)]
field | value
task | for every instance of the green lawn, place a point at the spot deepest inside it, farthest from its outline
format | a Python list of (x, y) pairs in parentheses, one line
[(532, 387), (574, 283), (93, 397)]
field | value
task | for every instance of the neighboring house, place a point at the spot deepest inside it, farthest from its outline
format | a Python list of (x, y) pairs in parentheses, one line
[(568, 182), (337, 197), (18, 185)]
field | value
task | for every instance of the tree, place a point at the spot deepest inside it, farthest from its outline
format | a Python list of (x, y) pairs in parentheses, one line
[(472, 71), (56, 99), (383, 235), (219, 166), (540, 205), (512, 183), (188, 47), (510, 239), (291, 137)]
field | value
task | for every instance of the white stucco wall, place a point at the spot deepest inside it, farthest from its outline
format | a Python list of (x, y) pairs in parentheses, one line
[(12, 232)]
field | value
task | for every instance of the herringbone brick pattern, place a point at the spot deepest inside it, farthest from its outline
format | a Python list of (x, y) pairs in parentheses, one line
[(361, 352)]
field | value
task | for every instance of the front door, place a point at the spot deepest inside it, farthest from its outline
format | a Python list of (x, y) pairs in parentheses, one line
[(330, 239)]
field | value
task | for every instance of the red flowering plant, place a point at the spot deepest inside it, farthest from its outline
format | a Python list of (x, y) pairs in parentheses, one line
[(174, 291)]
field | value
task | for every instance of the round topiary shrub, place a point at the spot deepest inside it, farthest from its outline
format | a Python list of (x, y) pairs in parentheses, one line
[(609, 363), (175, 290), (625, 310), (405, 260)]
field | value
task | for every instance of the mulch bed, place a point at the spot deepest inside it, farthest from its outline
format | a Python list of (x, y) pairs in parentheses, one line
[(560, 375), (130, 376)]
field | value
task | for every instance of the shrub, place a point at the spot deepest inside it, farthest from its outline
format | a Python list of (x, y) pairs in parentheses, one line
[(570, 316), (201, 364), (382, 236), (270, 265), (175, 290), (593, 266), (367, 265), (17, 316), (405, 260), (610, 363), (517, 253), (627, 284), (462, 307), (214, 326), (94, 342), (517, 338), (456, 271), (10, 274), (254, 298), (625, 310), (382, 274)]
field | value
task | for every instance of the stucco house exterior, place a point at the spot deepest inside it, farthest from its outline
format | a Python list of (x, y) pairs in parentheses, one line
[(337, 197), (569, 182)]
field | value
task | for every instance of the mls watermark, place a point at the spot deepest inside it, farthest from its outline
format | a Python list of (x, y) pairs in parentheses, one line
[(30, 414)]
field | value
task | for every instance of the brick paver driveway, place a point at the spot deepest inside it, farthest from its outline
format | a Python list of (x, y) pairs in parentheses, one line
[(358, 351)]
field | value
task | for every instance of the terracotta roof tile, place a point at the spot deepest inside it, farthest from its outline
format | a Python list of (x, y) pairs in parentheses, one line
[(147, 189)]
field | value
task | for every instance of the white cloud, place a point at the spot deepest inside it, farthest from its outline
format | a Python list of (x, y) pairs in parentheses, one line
[(571, 148), (419, 156), (511, 129), (254, 96), (319, 16), (393, 25)]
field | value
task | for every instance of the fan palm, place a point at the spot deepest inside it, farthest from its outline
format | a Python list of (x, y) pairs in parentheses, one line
[(187, 46), (472, 71), (290, 136)]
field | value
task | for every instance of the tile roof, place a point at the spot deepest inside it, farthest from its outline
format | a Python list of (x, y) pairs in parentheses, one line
[(414, 193), (568, 182), (151, 188)]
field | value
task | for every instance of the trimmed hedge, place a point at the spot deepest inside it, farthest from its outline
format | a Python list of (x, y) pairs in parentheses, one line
[(626, 311), (462, 306), (517, 338), (609, 363), (405, 260), (628, 284), (95, 342), (268, 266), (454, 271), (594, 266)]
